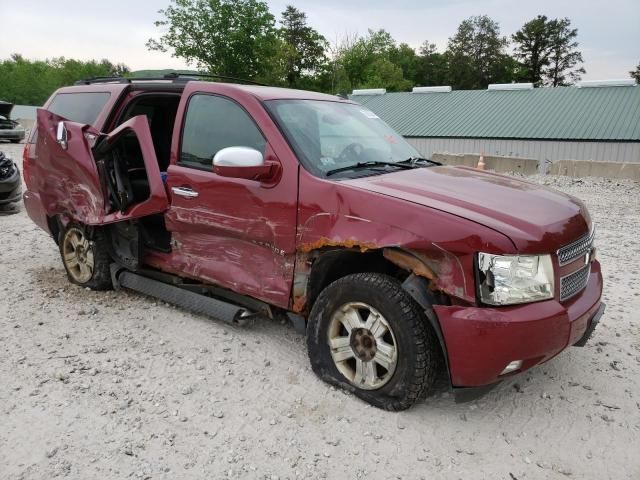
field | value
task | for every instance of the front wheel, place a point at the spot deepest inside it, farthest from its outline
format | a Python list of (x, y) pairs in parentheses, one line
[(86, 259), (369, 336)]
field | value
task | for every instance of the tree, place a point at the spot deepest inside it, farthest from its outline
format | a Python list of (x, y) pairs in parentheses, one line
[(304, 47), (636, 73), (383, 73), (28, 82), (533, 47), (404, 57), (432, 67), (227, 37), (563, 57), (369, 62), (476, 54)]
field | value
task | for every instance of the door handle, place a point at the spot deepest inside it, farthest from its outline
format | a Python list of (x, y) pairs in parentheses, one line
[(184, 192)]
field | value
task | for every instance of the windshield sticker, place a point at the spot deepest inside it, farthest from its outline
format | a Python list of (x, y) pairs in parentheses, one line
[(369, 114)]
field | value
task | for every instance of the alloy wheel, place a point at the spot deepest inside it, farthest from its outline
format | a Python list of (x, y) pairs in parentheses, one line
[(363, 346), (77, 254)]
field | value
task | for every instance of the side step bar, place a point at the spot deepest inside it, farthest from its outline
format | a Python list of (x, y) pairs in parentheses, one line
[(227, 312)]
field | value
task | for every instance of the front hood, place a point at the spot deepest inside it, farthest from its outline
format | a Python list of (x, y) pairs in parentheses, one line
[(537, 219), (5, 109)]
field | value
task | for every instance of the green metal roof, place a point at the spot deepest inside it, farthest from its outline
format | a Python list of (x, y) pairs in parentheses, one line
[(562, 113)]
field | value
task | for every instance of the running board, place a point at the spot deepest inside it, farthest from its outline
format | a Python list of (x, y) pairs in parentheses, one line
[(195, 302)]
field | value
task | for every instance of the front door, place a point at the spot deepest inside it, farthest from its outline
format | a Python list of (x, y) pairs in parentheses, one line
[(237, 233)]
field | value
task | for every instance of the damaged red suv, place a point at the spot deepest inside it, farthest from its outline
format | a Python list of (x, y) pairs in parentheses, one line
[(240, 201)]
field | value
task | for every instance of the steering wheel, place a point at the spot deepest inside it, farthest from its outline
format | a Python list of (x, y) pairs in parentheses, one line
[(354, 149)]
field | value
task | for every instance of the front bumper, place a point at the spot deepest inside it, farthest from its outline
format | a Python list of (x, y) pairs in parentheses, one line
[(12, 134), (480, 342)]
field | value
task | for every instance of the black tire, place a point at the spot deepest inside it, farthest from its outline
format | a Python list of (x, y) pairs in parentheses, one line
[(100, 278), (417, 349)]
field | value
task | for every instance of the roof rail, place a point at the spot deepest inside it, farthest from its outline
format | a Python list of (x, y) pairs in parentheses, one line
[(91, 80), (173, 76), (178, 75)]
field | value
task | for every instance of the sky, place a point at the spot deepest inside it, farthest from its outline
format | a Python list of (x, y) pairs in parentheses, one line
[(608, 31)]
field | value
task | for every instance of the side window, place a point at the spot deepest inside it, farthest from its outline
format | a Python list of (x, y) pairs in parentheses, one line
[(213, 123)]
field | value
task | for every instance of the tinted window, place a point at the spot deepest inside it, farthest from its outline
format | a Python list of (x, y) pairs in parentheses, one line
[(214, 123), (79, 107)]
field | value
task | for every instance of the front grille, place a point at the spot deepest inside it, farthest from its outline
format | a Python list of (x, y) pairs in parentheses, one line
[(574, 282), (576, 249)]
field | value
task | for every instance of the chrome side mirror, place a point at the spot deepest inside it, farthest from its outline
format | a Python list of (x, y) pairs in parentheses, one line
[(61, 135), (244, 162), (238, 157)]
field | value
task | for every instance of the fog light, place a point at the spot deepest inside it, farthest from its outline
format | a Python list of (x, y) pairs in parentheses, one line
[(512, 367)]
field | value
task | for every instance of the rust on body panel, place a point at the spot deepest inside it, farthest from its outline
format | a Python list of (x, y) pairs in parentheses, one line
[(408, 262), (326, 242)]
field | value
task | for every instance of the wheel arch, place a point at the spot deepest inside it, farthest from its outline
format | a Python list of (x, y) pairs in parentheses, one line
[(316, 269), (332, 264)]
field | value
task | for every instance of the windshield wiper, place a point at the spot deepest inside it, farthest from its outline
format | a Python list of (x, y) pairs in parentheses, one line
[(416, 161), (369, 164)]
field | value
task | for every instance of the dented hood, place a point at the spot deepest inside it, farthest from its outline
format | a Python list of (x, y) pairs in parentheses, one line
[(535, 218)]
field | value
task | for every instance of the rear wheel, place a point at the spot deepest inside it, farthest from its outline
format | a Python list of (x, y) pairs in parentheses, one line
[(85, 259), (369, 336)]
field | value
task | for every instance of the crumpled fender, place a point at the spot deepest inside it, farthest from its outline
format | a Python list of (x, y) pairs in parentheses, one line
[(431, 243)]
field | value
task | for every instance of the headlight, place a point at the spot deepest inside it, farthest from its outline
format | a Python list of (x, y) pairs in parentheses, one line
[(510, 279)]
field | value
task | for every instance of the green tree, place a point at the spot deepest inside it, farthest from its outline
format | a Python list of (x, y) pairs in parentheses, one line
[(404, 57), (533, 46), (564, 58), (383, 73), (369, 62), (477, 54), (636, 73), (228, 37), (304, 47), (432, 67)]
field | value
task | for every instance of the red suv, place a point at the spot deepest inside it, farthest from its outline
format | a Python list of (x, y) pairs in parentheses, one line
[(240, 200)]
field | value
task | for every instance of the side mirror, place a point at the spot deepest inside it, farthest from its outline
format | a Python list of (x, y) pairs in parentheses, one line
[(61, 135), (243, 162)]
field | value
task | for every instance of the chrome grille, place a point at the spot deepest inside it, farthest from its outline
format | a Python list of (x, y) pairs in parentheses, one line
[(576, 249), (574, 282)]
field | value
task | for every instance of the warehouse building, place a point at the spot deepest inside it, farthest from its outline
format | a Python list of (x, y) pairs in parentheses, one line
[(589, 121)]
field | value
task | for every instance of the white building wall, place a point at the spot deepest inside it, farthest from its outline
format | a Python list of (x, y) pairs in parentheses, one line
[(537, 149)]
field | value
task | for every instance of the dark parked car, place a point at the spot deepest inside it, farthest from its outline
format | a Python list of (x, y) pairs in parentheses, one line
[(239, 200), (9, 129)]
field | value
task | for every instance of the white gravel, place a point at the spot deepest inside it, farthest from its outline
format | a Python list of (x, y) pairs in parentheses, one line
[(117, 385)]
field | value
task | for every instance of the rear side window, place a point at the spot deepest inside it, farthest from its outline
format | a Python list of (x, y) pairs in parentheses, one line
[(79, 107), (213, 123)]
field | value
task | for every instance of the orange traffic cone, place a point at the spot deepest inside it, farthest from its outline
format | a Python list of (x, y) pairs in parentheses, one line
[(481, 163)]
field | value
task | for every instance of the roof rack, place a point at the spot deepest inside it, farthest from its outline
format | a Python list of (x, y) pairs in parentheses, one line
[(173, 77)]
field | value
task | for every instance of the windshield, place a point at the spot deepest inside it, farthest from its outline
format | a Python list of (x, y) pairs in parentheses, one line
[(332, 135)]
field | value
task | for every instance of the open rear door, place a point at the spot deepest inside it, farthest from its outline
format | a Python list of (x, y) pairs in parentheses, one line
[(77, 165)]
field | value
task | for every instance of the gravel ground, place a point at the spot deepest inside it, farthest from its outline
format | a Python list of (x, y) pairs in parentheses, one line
[(117, 385)]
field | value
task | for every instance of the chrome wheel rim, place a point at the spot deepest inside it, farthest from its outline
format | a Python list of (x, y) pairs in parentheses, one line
[(362, 345), (77, 254)]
